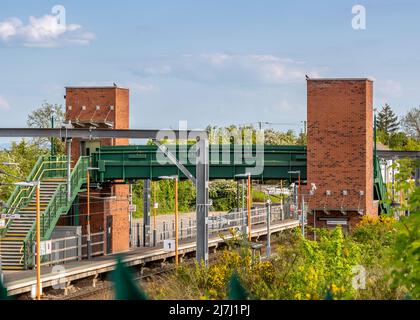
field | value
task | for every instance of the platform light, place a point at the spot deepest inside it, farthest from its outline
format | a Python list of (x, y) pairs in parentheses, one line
[(361, 211), (248, 202), (88, 216), (344, 193), (313, 189)]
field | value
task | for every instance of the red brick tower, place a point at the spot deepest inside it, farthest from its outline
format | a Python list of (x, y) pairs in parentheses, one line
[(102, 107), (340, 151)]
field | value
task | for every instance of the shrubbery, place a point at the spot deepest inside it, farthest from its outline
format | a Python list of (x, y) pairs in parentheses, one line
[(387, 250)]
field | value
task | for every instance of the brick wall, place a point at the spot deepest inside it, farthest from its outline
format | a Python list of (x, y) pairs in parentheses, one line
[(114, 200), (340, 146)]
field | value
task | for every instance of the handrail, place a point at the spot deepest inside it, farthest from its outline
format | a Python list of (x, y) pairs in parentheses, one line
[(25, 194), (17, 192), (19, 189), (58, 205), (33, 177), (32, 192)]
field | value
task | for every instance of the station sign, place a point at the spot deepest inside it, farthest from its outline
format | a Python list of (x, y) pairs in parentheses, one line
[(132, 208), (336, 222), (169, 245), (46, 247)]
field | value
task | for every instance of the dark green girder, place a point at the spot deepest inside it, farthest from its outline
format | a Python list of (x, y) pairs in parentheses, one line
[(140, 162)]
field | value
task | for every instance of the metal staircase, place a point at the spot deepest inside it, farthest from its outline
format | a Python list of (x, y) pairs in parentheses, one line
[(17, 239), (12, 243), (379, 187)]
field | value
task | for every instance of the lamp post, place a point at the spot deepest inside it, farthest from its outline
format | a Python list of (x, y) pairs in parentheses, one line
[(175, 178), (297, 193), (268, 228), (298, 173), (155, 207), (248, 202), (88, 239)]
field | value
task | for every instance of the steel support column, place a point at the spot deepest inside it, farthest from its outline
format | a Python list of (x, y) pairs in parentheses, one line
[(146, 213), (268, 206), (68, 141), (202, 253)]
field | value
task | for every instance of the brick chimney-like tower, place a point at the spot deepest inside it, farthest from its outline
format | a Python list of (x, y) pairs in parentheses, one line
[(101, 107), (340, 151)]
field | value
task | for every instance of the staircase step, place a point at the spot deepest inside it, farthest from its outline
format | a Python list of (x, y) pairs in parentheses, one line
[(13, 268), (10, 250), (11, 245), (15, 246)]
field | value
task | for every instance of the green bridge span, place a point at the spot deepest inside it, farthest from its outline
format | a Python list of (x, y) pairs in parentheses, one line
[(226, 162), (130, 163)]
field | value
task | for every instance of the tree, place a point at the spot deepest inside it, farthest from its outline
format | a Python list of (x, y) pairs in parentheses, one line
[(387, 121), (25, 154), (41, 118), (273, 137), (411, 123), (397, 140)]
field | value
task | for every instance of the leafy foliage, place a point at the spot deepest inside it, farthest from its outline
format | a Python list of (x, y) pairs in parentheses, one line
[(165, 196), (387, 121), (411, 123), (25, 154), (406, 253), (223, 193), (41, 118)]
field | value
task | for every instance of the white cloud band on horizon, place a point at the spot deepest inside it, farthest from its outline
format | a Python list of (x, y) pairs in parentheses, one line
[(240, 68), (44, 32)]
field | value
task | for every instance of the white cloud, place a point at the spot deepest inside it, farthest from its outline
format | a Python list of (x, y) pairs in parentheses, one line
[(44, 32), (4, 105), (236, 68), (141, 87), (390, 88)]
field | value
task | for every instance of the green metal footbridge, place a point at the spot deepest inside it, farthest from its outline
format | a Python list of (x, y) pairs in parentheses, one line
[(128, 164)]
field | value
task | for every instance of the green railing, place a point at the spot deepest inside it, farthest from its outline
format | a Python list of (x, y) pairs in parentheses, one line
[(59, 205), (380, 188), (46, 167)]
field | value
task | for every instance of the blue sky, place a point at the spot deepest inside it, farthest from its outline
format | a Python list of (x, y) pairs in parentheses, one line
[(208, 62)]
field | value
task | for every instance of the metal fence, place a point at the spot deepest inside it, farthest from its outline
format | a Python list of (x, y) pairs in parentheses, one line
[(218, 223), (72, 248)]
